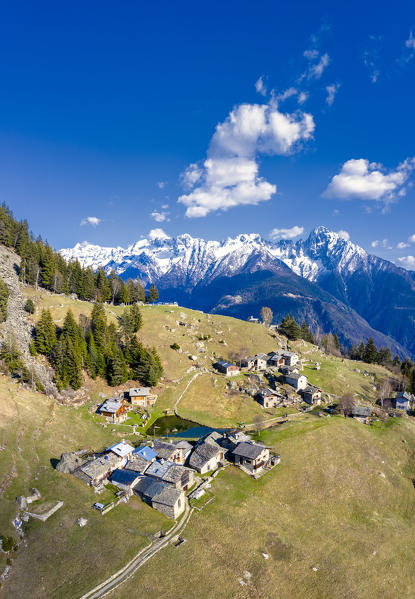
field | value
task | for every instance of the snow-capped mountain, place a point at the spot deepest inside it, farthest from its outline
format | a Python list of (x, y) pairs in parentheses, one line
[(193, 260), (200, 273)]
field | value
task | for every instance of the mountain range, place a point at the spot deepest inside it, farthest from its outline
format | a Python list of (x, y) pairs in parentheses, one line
[(328, 280)]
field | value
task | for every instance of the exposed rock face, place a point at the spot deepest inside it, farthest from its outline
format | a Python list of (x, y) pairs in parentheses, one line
[(17, 326), (68, 463)]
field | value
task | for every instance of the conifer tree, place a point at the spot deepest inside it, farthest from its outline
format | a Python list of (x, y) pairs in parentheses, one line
[(336, 341), (45, 336), (117, 370), (370, 354), (153, 294)]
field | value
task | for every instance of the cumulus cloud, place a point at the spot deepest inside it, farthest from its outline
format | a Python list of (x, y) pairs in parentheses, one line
[(260, 86), (229, 176), (361, 179), (90, 220), (343, 235), (408, 262), (160, 216), (331, 92), (157, 234), (295, 231), (411, 239), (402, 245)]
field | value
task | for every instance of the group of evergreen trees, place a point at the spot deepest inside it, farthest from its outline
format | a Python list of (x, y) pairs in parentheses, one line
[(368, 352), (291, 329), (4, 298), (42, 266), (99, 347)]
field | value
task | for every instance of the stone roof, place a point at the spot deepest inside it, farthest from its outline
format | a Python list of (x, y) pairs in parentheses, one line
[(164, 450), (203, 453), (362, 411), (184, 445), (139, 391), (101, 465), (137, 464), (224, 364), (157, 491), (248, 450), (311, 389), (294, 376)]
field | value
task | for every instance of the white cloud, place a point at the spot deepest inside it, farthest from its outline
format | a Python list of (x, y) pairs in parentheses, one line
[(402, 245), (410, 42), (160, 216), (161, 184), (91, 220), (371, 56), (302, 97), (316, 70), (343, 235), (260, 86), (384, 243), (295, 231), (229, 176), (157, 234), (361, 179), (331, 92), (311, 54), (291, 91), (411, 239), (408, 262)]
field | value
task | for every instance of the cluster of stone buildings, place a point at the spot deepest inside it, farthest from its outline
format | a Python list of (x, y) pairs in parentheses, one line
[(116, 409), (161, 473), (288, 363)]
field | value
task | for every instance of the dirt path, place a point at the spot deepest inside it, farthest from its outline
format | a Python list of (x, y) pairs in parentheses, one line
[(176, 404), (139, 560)]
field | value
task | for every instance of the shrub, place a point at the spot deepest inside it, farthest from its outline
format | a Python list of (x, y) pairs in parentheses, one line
[(175, 346), (29, 306), (8, 543)]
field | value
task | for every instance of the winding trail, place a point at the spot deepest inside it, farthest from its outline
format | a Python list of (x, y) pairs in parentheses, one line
[(139, 560)]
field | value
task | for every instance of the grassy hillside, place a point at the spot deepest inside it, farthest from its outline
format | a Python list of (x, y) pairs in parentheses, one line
[(341, 501), (209, 400)]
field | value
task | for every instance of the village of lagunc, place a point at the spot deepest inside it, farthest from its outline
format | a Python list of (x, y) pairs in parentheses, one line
[(207, 300)]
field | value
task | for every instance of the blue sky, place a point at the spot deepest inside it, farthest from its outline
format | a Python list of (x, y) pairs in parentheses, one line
[(257, 117)]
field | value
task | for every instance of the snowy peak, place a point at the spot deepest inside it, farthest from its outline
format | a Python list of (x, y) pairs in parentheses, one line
[(190, 261)]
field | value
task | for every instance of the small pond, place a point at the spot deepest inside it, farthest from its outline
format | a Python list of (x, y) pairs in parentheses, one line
[(173, 426)]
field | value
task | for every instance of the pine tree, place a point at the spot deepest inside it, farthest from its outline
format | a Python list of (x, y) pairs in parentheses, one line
[(361, 351), (336, 341), (45, 335), (370, 353), (141, 293), (117, 370), (153, 294)]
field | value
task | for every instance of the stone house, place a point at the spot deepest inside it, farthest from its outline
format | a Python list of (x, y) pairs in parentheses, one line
[(312, 395), (141, 397), (179, 476), (403, 400), (114, 410), (207, 454), (275, 358), (123, 450), (255, 363), (289, 369), (161, 496), (252, 457), (124, 479), (177, 452), (94, 472), (268, 398), (226, 368), (290, 358), (362, 413), (298, 381)]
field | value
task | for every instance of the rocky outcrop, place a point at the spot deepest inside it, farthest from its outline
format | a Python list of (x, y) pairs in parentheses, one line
[(17, 326), (68, 463)]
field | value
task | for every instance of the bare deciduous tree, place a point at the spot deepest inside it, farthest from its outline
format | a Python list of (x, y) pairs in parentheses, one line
[(266, 315), (384, 389), (346, 404)]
